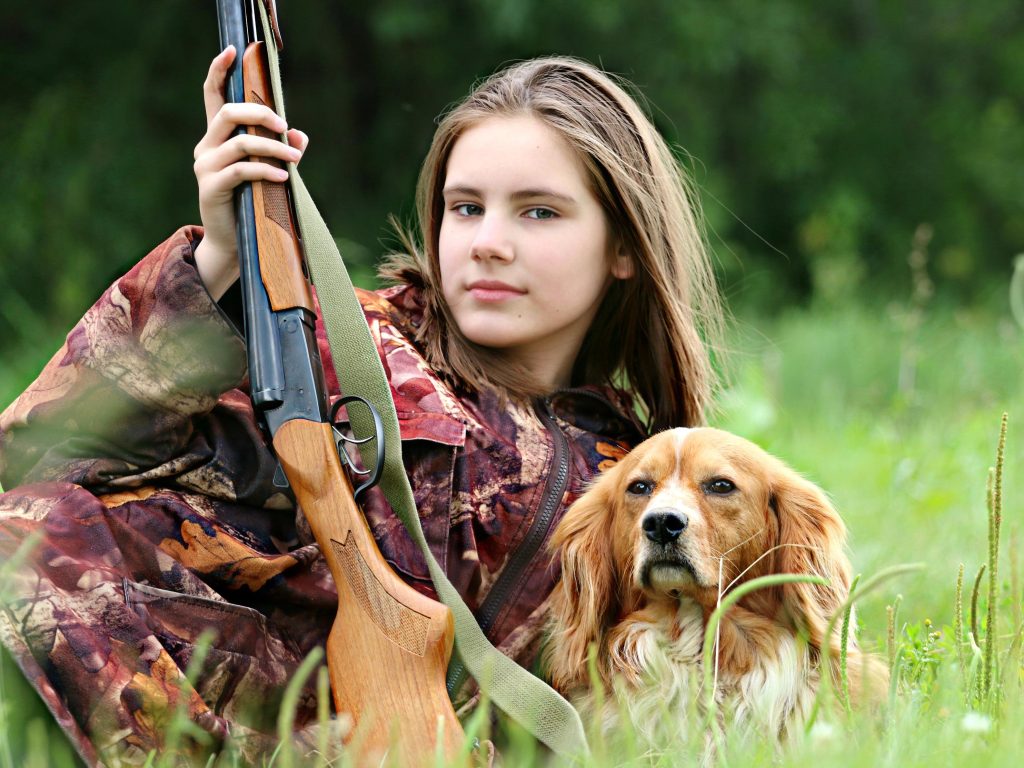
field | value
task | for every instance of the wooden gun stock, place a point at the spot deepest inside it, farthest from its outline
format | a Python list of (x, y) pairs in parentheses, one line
[(388, 650)]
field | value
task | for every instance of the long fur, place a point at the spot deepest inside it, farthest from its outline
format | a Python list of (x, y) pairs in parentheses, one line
[(644, 605)]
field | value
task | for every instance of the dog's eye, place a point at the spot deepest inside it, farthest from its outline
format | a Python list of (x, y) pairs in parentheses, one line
[(640, 488), (719, 486)]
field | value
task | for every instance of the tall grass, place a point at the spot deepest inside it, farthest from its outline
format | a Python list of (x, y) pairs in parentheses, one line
[(904, 442)]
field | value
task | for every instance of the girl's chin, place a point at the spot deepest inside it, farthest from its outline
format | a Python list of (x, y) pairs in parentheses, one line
[(490, 326), (498, 340)]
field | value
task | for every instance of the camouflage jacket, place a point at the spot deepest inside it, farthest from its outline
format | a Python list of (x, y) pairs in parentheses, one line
[(144, 488)]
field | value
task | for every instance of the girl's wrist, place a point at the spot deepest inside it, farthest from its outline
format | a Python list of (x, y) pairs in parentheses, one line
[(217, 270)]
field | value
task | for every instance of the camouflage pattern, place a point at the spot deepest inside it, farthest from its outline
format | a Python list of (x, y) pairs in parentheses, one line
[(142, 517)]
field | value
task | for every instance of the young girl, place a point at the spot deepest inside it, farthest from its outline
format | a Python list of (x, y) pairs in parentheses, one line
[(548, 315)]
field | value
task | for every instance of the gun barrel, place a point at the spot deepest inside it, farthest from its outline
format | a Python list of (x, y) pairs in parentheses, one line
[(266, 374)]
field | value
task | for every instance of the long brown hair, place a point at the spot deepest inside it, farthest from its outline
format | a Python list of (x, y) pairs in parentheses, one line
[(652, 332)]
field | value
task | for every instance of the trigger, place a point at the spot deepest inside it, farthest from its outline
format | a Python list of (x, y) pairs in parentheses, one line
[(339, 441), (280, 478)]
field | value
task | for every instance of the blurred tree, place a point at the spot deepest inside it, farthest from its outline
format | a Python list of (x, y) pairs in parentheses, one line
[(820, 135)]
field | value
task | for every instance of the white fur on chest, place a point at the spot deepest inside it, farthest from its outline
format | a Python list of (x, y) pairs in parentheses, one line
[(665, 704)]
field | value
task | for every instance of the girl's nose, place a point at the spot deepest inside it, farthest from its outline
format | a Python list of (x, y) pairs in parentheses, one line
[(491, 240)]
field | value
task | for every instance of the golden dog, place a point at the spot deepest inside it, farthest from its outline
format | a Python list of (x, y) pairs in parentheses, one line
[(649, 552)]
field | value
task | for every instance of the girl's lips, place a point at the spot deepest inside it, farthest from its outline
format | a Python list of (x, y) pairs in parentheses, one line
[(492, 290)]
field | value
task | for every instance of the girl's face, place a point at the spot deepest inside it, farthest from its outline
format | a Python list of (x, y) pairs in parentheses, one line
[(525, 250)]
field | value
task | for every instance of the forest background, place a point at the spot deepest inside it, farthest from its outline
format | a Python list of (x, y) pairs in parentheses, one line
[(820, 135)]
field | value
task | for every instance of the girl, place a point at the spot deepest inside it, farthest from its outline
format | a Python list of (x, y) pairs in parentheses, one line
[(548, 314)]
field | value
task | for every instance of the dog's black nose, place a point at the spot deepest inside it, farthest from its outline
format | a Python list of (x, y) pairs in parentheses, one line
[(664, 526)]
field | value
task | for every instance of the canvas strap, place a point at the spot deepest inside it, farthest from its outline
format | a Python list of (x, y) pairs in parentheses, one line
[(521, 695)]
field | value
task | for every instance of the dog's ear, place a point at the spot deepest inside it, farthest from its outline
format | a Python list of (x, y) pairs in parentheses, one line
[(584, 603), (812, 541)]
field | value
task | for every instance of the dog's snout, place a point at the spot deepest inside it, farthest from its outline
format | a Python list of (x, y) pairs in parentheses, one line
[(663, 526)]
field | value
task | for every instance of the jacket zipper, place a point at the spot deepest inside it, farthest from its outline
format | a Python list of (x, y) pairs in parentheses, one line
[(512, 575)]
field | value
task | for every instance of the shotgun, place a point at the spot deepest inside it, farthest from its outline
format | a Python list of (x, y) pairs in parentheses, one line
[(389, 646)]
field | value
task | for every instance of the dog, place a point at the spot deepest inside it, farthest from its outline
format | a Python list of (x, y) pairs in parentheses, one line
[(649, 552)]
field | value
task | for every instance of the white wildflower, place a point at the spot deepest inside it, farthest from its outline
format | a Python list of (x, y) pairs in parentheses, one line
[(976, 722), (822, 732)]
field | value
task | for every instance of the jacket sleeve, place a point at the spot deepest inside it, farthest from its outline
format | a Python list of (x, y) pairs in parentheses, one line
[(144, 391)]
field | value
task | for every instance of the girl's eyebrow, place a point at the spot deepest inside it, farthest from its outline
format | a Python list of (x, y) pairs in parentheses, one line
[(529, 194), (518, 195)]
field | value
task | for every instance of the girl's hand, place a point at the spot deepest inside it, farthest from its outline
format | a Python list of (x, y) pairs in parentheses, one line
[(222, 163)]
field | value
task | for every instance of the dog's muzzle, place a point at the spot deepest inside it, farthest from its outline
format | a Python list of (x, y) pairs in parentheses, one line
[(665, 564), (664, 526)]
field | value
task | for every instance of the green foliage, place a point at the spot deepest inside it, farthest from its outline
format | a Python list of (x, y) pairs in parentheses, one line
[(821, 135)]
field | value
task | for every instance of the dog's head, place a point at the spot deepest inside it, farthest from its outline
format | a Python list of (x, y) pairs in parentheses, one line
[(694, 513)]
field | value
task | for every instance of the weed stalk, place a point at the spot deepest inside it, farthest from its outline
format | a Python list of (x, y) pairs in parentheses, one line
[(958, 627), (844, 642), (892, 648), (995, 517)]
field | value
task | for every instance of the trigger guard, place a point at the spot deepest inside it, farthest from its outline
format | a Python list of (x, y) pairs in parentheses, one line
[(378, 428)]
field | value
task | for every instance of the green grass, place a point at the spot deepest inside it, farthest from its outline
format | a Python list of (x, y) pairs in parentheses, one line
[(895, 411), (906, 467)]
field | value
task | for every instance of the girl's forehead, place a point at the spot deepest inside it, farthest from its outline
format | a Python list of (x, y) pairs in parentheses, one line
[(518, 147), (524, 124)]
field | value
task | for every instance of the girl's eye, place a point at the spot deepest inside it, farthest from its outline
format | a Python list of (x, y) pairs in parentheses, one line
[(719, 486), (541, 213), (467, 209), (640, 488)]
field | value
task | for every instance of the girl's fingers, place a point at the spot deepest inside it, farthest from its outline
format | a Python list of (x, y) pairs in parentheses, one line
[(242, 147), (230, 117), (236, 173), (213, 86), (220, 185), (298, 139), (222, 156)]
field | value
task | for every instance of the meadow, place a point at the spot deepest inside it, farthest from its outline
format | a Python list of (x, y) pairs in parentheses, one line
[(895, 410)]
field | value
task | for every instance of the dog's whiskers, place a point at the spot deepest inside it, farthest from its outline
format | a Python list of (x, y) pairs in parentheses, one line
[(721, 556), (745, 541), (761, 557)]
